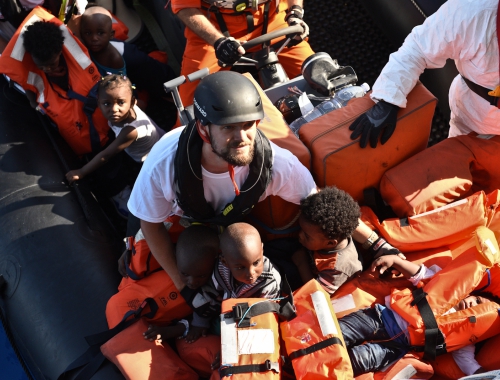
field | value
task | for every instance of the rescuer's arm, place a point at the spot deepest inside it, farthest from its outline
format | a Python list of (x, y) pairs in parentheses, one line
[(162, 249)]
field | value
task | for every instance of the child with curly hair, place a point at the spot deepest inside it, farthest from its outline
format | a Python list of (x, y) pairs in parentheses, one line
[(135, 132), (328, 254)]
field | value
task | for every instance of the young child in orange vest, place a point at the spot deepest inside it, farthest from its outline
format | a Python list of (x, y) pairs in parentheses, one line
[(380, 324), (328, 254), (242, 271), (135, 132)]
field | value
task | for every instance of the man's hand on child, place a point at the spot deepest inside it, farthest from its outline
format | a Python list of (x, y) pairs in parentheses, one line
[(195, 332), (74, 175), (216, 363)]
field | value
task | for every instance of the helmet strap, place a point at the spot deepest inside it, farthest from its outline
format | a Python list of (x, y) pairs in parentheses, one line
[(231, 175), (203, 136)]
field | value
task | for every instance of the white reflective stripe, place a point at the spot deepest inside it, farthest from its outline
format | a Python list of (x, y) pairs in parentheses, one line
[(343, 303), (406, 373), (490, 245), (18, 50), (74, 49), (451, 205), (36, 80), (255, 341), (323, 312), (229, 341)]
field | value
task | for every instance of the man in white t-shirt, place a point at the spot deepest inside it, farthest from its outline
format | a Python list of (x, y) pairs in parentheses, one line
[(196, 171)]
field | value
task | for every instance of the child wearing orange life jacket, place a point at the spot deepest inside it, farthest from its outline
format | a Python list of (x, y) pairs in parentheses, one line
[(135, 132), (327, 220), (242, 271), (383, 324)]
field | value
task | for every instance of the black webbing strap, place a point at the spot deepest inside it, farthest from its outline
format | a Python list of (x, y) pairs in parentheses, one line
[(249, 368), (433, 337), (92, 359), (89, 107), (220, 20), (134, 276), (315, 347), (482, 92)]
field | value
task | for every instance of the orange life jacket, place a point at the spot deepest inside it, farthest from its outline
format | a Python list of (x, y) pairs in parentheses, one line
[(250, 346), (314, 336), (408, 367), (139, 261), (440, 227), (433, 331), (81, 124), (121, 30)]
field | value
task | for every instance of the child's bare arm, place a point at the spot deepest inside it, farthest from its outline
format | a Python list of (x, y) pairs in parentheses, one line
[(301, 261), (127, 136), (407, 268)]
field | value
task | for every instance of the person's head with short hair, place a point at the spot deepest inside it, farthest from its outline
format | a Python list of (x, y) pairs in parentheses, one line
[(242, 252), (96, 29), (196, 251), (227, 108), (115, 98), (327, 218), (44, 41)]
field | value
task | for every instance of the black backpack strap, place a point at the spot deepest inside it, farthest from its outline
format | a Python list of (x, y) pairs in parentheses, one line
[(315, 347), (434, 340), (249, 368), (89, 107), (92, 359)]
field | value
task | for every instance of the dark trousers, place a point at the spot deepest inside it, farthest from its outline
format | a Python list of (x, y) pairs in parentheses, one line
[(366, 326)]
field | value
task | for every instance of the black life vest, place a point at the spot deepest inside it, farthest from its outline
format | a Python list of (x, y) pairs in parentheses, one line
[(189, 183)]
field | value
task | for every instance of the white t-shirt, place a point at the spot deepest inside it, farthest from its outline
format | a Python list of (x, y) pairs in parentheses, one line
[(148, 134), (153, 198), (462, 30)]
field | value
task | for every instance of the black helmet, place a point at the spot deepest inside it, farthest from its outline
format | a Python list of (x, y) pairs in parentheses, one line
[(227, 97), (289, 107)]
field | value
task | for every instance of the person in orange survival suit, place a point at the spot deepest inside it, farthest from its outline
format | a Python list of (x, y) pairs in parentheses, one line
[(214, 30), (56, 72)]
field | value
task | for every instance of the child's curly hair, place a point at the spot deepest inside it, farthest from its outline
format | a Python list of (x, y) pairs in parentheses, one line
[(113, 81), (333, 210), (43, 40)]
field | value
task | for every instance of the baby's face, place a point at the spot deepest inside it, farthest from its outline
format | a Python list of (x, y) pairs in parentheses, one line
[(96, 32), (247, 266), (470, 302)]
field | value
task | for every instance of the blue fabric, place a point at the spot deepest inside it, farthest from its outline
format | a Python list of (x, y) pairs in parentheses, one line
[(104, 70), (391, 325), (10, 368), (367, 326)]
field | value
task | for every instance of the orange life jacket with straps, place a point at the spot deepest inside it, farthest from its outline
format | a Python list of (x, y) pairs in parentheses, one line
[(431, 330), (75, 112), (314, 336)]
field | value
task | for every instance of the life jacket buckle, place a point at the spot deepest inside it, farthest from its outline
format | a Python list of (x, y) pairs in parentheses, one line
[(239, 311), (272, 366)]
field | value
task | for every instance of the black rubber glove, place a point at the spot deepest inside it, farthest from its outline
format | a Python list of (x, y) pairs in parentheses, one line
[(380, 247), (200, 303), (226, 51), (380, 120), (294, 16)]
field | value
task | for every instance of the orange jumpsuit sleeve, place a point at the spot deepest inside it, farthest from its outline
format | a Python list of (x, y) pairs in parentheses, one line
[(177, 5)]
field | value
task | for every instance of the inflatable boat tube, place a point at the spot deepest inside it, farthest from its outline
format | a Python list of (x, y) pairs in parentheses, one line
[(58, 272)]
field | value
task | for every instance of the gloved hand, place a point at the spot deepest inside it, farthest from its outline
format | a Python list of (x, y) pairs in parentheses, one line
[(228, 51), (380, 120), (201, 302), (294, 16), (380, 247)]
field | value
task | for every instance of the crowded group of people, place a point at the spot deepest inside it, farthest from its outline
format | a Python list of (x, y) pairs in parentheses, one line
[(213, 171)]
